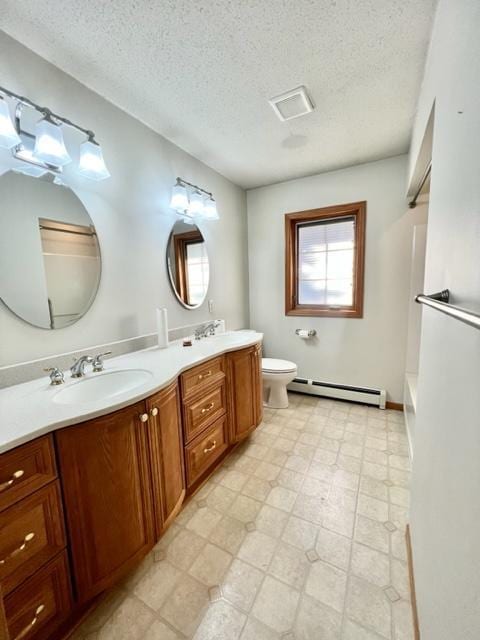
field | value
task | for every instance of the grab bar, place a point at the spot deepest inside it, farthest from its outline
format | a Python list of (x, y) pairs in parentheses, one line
[(439, 301)]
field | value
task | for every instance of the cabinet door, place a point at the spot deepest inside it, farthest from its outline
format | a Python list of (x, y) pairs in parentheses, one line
[(244, 379), (166, 455), (107, 492)]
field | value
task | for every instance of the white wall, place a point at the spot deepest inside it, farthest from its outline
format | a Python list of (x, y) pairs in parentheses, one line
[(445, 509), (131, 214), (368, 351)]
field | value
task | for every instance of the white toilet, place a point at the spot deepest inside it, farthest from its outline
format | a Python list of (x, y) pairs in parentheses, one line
[(276, 375)]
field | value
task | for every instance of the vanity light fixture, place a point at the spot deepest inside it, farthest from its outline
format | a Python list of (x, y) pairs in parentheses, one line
[(49, 145), (8, 136), (92, 165), (179, 201), (191, 202), (210, 209), (45, 150), (195, 208)]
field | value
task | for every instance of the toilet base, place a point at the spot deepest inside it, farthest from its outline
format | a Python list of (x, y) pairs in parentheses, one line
[(275, 396)]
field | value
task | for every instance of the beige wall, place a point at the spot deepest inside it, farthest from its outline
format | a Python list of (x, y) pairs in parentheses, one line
[(368, 351)]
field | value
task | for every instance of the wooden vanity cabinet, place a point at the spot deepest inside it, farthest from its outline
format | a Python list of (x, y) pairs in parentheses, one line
[(244, 383), (166, 455), (105, 472), (122, 479)]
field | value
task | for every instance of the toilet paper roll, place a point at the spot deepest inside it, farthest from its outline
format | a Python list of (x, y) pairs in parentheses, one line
[(303, 333), (162, 328)]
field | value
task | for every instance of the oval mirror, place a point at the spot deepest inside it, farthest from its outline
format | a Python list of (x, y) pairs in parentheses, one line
[(49, 253), (187, 263)]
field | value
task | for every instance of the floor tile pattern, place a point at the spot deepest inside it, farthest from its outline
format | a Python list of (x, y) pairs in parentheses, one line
[(300, 535)]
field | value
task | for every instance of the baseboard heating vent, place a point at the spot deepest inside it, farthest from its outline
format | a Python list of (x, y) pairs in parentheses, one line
[(365, 395)]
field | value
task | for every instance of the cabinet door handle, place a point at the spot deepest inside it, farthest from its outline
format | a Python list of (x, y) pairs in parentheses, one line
[(208, 408), (30, 536), (15, 476), (154, 411), (143, 417), (205, 375), (211, 447), (31, 624)]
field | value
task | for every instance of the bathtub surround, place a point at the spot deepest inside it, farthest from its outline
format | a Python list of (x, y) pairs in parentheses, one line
[(445, 509), (368, 351), (132, 217)]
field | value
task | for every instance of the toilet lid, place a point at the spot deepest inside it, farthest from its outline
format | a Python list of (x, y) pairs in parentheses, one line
[(272, 365)]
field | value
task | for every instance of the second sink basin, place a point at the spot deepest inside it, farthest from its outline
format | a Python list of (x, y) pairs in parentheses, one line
[(102, 386)]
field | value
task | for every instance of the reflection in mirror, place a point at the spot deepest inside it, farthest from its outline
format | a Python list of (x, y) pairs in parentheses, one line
[(49, 253), (188, 265)]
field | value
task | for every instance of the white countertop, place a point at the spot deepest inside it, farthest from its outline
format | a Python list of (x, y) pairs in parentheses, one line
[(28, 411)]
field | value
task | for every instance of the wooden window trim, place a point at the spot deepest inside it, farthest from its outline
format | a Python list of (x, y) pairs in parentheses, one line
[(359, 211), (181, 240)]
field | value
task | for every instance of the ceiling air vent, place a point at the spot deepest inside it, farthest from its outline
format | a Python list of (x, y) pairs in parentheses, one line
[(292, 104)]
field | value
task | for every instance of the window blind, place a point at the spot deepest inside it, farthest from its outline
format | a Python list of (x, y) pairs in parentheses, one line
[(326, 253)]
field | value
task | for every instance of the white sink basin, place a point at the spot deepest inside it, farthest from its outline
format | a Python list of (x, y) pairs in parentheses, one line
[(102, 386)]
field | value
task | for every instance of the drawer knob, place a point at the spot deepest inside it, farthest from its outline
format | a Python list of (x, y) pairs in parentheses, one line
[(143, 417), (15, 476), (208, 408), (31, 624), (154, 411), (211, 447), (205, 375), (30, 536)]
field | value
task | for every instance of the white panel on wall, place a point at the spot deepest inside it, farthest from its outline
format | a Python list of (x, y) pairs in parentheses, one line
[(445, 507)]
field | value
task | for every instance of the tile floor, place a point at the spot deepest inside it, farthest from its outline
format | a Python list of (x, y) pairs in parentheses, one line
[(298, 536)]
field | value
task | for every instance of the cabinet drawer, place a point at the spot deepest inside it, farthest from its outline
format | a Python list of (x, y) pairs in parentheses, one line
[(36, 608), (202, 452), (202, 376), (25, 469), (31, 534), (200, 411)]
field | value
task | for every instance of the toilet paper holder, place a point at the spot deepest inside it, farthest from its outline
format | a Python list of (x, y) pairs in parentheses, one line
[(310, 332)]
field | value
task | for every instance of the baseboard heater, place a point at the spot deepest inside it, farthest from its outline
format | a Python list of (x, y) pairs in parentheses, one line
[(364, 395)]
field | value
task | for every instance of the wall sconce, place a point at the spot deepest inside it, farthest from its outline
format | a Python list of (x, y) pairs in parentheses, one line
[(199, 204), (45, 151)]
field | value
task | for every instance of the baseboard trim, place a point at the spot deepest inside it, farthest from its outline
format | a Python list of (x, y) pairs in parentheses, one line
[(396, 406), (413, 597)]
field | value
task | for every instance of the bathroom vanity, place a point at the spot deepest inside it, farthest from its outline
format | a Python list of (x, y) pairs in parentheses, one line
[(88, 487)]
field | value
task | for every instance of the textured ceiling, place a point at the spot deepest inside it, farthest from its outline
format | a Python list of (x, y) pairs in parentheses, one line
[(201, 71)]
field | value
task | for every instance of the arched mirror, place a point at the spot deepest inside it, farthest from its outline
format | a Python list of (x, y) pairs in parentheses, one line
[(50, 261), (187, 263)]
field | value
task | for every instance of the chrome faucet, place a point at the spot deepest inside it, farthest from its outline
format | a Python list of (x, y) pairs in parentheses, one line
[(207, 329), (97, 363), (56, 376), (78, 367)]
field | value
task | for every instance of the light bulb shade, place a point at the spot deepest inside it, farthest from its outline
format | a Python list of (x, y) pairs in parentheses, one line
[(210, 209), (92, 165), (195, 208), (179, 201), (9, 138), (49, 144)]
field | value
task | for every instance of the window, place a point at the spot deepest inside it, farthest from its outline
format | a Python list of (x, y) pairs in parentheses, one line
[(324, 256)]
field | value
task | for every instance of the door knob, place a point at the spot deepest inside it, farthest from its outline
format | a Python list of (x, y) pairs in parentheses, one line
[(154, 411), (143, 417)]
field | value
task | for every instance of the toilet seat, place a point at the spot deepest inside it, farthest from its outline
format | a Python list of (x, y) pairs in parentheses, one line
[(274, 365)]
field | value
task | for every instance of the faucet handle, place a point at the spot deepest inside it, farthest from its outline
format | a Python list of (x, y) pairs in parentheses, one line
[(56, 375), (97, 363)]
